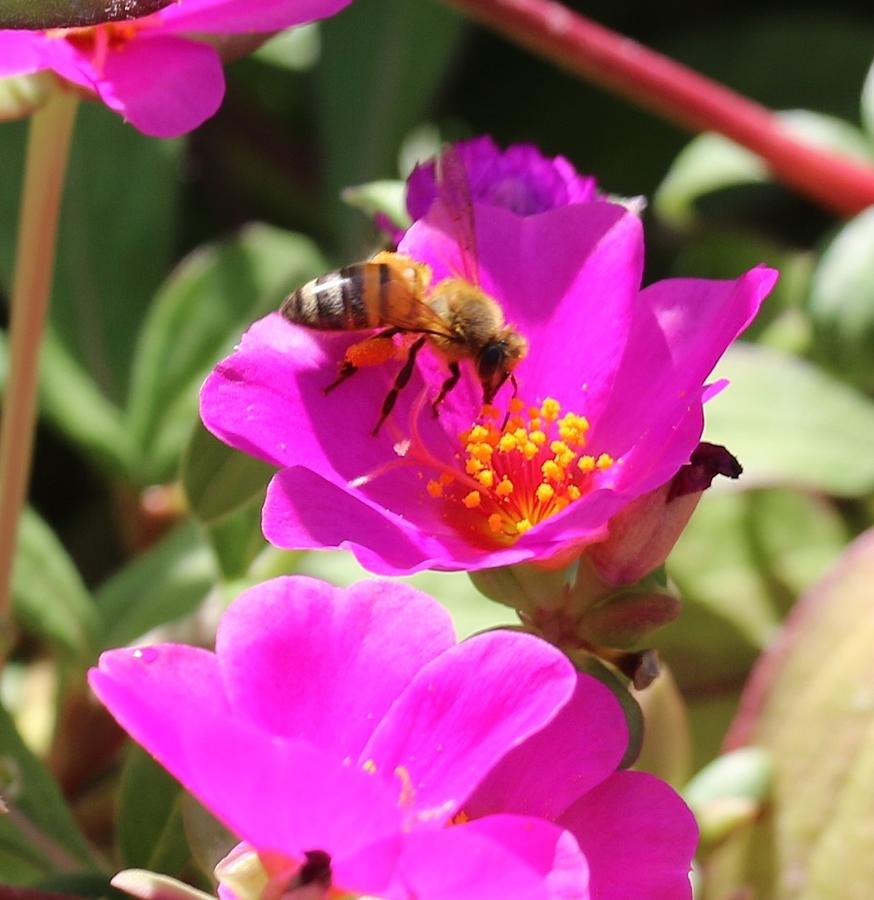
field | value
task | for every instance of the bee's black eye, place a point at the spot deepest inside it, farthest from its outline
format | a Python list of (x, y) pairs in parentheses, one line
[(492, 357)]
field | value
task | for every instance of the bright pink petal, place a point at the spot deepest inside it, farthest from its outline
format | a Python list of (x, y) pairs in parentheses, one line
[(22, 52), (241, 16), (162, 84), (492, 859), (303, 659), (584, 744), (463, 712), (638, 837), (567, 279), (305, 511), (681, 329)]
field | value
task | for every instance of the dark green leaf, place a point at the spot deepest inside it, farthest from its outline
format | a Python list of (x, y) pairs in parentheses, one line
[(397, 69), (197, 318), (218, 480), (237, 540), (790, 423), (38, 833), (50, 599), (164, 584), (39, 14), (149, 831), (115, 239)]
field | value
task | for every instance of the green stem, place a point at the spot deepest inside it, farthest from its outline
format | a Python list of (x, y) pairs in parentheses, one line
[(48, 144)]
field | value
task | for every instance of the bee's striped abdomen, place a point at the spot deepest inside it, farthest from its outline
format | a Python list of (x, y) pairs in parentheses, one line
[(350, 299)]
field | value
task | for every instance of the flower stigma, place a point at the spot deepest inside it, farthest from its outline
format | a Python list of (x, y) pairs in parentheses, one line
[(518, 473)]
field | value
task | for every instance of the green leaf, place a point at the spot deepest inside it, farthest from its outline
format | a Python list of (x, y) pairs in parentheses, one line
[(39, 830), (743, 557), (712, 162), (73, 404), (219, 480), (809, 704), (364, 118), (197, 318), (164, 584), (386, 197), (790, 423), (868, 103), (237, 540), (841, 301), (296, 49), (115, 239), (50, 600), (148, 827)]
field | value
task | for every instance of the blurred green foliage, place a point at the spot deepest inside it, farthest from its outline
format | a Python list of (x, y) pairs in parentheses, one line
[(169, 249)]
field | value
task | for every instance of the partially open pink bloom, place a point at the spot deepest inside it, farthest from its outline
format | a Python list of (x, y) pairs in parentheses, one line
[(610, 403), (347, 728), (519, 178), (153, 71)]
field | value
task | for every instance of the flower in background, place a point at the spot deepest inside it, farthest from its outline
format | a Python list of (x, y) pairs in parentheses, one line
[(519, 178), (345, 737), (609, 408), (150, 70)]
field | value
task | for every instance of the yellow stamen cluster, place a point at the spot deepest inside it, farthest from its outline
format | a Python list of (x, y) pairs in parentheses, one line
[(518, 473)]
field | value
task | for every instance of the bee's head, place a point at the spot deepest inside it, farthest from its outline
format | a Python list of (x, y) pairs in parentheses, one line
[(497, 359)]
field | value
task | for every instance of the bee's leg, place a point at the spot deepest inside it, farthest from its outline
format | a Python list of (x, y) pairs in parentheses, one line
[(400, 383), (349, 368), (447, 386), (513, 396)]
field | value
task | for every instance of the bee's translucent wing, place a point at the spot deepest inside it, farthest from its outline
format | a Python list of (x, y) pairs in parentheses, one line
[(402, 308), (453, 190)]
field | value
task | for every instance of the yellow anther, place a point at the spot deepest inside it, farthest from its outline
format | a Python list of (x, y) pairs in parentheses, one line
[(534, 423), (496, 523), (369, 767), (472, 500), (514, 423), (516, 405), (551, 469), (573, 492), (559, 448), (538, 437), (522, 526), (529, 450), (472, 466), (486, 478), (549, 409), (564, 459), (520, 434), (477, 433), (605, 460), (481, 451), (504, 487), (507, 443), (586, 463), (434, 488), (545, 493)]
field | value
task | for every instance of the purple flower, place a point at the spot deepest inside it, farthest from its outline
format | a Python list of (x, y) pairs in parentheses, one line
[(345, 733), (519, 178), (149, 70), (611, 403)]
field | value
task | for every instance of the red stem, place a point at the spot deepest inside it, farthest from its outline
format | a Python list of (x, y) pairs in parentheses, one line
[(681, 95)]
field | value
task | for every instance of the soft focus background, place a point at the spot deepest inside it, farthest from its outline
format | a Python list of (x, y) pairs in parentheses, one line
[(169, 249)]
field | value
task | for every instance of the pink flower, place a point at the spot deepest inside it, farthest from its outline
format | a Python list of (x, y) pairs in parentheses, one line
[(346, 731), (149, 70), (519, 178), (611, 403)]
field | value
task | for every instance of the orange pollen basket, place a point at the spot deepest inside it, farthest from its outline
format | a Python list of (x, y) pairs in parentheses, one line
[(518, 474)]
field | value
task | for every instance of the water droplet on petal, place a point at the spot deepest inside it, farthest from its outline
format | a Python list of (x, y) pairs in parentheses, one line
[(146, 654)]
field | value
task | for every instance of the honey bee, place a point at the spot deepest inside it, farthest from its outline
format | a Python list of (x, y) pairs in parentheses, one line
[(393, 293)]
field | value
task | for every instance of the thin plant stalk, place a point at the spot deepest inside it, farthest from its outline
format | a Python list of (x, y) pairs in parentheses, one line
[(670, 89), (48, 143)]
